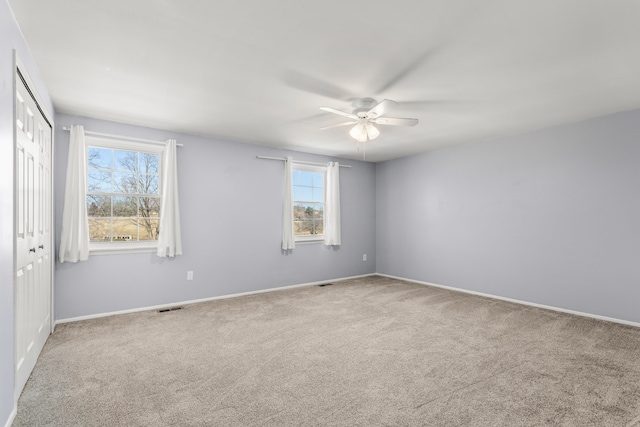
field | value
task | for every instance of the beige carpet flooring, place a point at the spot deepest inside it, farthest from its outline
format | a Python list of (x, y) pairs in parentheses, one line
[(365, 352)]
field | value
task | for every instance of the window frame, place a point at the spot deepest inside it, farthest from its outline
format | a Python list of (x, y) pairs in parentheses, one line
[(312, 238), (115, 247)]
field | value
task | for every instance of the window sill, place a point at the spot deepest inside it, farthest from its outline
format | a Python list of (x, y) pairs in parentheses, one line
[(309, 241), (121, 248)]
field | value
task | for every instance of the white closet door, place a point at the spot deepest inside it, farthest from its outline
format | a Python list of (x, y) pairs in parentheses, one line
[(33, 198)]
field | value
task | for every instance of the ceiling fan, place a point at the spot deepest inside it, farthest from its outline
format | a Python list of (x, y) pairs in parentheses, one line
[(365, 115)]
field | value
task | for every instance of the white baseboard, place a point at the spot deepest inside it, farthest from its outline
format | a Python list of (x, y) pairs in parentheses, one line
[(173, 304), (531, 304), (12, 415)]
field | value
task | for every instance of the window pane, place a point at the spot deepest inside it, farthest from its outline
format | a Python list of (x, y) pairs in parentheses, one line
[(99, 230), (306, 228), (99, 158), (125, 217), (125, 182), (296, 177), (125, 230), (318, 211), (125, 206), (99, 206), (99, 181), (308, 205), (149, 163), (318, 179), (125, 160), (302, 178), (149, 207), (302, 211), (149, 229), (303, 194), (148, 184), (318, 195)]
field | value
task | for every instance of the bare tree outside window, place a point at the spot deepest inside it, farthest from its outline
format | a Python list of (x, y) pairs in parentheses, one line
[(123, 195)]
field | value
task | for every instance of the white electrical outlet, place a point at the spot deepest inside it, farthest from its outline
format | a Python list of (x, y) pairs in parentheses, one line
[(190, 275), (364, 257)]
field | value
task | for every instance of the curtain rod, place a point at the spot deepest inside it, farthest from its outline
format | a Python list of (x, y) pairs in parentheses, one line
[(128, 138), (298, 161)]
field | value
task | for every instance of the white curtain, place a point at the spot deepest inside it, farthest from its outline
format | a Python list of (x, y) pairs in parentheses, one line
[(332, 208), (74, 240), (288, 240), (169, 238)]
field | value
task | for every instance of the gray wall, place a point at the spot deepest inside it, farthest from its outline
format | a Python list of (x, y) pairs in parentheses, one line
[(10, 39), (231, 205), (549, 217)]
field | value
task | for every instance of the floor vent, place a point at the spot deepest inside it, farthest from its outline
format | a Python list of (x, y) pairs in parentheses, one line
[(164, 310), (326, 284)]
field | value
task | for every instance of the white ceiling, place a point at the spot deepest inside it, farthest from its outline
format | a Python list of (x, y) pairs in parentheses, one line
[(257, 71)]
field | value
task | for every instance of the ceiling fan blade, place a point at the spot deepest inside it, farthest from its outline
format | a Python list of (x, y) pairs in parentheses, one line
[(339, 112), (381, 108), (398, 75), (315, 85), (428, 103), (394, 121), (338, 125)]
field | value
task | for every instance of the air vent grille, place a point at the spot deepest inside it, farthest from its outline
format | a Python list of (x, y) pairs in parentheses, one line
[(165, 310)]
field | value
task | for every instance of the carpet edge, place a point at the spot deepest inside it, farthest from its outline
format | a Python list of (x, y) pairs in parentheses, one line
[(195, 301), (517, 301)]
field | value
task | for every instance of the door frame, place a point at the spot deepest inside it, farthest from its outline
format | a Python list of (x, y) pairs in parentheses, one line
[(19, 67)]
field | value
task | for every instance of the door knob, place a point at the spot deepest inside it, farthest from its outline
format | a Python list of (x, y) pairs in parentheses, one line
[(41, 246), (32, 250)]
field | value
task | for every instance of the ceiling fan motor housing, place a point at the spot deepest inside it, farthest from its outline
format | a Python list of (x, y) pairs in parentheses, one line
[(362, 106)]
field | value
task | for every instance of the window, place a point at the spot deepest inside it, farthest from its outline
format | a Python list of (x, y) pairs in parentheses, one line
[(308, 202), (123, 194)]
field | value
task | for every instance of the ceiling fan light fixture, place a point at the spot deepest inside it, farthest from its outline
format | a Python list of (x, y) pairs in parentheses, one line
[(359, 132), (372, 131), (362, 138)]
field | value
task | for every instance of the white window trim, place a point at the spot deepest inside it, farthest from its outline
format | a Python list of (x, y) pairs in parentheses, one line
[(112, 248), (315, 238)]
